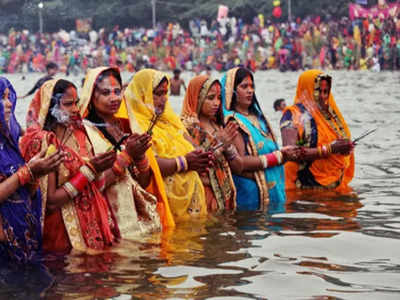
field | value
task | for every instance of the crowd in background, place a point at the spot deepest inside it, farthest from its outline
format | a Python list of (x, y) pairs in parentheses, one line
[(220, 45)]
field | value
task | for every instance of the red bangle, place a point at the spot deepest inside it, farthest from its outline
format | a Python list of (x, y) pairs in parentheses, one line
[(79, 181), (272, 160), (24, 175), (117, 169)]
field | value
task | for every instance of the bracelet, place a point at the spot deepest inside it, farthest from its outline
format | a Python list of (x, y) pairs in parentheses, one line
[(88, 173), (279, 156), (231, 153), (79, 181), (178, 165), (143, 165), (319, 150), (185, 164), (272, 160), (91, 167), (117, 169), (264, 161), (24, 175), (70, 190)]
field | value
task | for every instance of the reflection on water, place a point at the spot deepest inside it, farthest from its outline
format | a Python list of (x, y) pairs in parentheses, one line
[(320, 246)]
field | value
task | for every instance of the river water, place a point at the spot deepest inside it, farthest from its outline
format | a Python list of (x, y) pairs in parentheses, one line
[(323, 246)]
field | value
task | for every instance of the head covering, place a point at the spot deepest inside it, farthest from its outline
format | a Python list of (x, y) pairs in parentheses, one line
[(184, 190), (195, 95), (139, 95), (157, 187), (39, 107), (12, 129), (21, 213), (331, 169)]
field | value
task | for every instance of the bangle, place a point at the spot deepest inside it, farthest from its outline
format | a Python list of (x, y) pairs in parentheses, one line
[(319, 150), (264, 161), (272, 160), (117, 169), (178, 165), (185, 164), (329, 146), (88, 173), (79, 181), (70, 190), (124, 159), (231, 153), (24, 175), (143, 165), (91, 167), (279, 156)]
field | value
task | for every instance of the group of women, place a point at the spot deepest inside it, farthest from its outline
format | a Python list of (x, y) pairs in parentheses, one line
[(118, 163)]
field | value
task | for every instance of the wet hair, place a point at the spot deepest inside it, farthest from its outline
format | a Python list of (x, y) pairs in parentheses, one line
[(277, 103), (92, 114), (59, 89), (241, 74), (177, 71), (51, 65)]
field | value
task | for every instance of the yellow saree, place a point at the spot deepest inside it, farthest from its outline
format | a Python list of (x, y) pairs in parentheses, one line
[(184, 190)]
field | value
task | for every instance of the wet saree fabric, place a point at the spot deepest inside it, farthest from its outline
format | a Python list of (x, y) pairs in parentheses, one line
[(135, 209), (86, 222), (20, 213), (314, 129), (220, 189), (268, 186), (185, 190)]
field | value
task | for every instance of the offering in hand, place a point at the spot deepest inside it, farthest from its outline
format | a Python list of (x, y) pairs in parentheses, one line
[(50, 150)]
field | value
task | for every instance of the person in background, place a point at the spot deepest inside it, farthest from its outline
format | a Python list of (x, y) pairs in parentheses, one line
[(52, 69), (20, 200), (176, 83), (279, 104)]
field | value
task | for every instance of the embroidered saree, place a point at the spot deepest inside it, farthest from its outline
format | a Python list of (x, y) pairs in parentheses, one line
[(86, 222), (20, 213), (185, 191), (268, 186), (314, 129), (219, 187), (137, 211)]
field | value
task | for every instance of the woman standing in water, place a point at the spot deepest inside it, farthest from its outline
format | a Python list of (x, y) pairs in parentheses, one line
[(261, 181), (137, 210), (20, 200), (77, 215), (147, 104), (316, 124), (202, 117)]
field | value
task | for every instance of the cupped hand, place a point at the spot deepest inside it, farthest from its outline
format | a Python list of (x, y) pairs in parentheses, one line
[(342, 146), (228, 134), (199, 160), (103, 161), (291, 153), (137, 145), (41, 165)]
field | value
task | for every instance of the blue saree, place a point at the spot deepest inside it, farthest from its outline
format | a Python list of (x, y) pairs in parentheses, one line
[(268, 186), (20, 213)]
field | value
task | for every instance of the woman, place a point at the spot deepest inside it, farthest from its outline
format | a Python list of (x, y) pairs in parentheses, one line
[(77, 215), (315, 123), (202, 117), (261, 180), (20, 201), (136, 210), (147, 104)]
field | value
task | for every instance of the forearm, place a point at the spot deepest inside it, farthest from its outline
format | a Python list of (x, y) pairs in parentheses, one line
[(167, 166), (8, 187)]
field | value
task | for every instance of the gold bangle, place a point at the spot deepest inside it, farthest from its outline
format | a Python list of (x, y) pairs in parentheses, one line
[(88, 173), (70, 189)]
